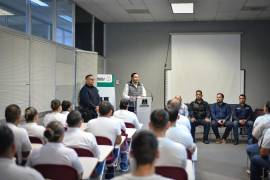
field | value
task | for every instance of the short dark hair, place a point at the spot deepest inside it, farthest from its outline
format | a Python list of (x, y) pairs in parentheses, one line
[(6, 138), (144, 147), (267, 105), (243, 95), (66, 105), (12, 113), (173, 113), (159, 118), (88, 75), (222, 95), (74, 118), (54, 131), (105, 107), (200, 91), (55, 104), (29, 114), (124, 103)]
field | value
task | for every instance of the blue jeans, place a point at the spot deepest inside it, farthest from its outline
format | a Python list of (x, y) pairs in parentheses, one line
[(124, 156), (258, 163), (110, 167), (248, 124), (252, 150), (206, 128)]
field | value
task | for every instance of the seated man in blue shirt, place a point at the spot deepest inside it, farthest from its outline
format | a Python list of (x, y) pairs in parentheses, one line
[(221, 114), (242, 116)]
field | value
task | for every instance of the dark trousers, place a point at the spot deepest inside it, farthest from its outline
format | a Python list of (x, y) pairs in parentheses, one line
[(236, 125), (206, 128), (257, 165), (215, 126), (88, 114)]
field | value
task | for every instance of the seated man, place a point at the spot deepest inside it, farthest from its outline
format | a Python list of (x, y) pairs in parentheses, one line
[(242, 116), (183, 110), (144, 150), (199, 113), (170, 153), (262, 124), (179, 134), (221, 114), (8, 169), (22, 142), (108, 127), (127, 116), (75, 137), (262, 161)]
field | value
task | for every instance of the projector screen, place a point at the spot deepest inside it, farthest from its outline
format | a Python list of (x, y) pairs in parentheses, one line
[(209, 62)]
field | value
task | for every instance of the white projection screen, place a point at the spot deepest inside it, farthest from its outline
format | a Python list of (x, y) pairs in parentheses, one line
[(210, 62)]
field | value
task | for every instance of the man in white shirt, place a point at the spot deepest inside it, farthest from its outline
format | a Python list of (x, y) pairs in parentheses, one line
[(8, 169), (144, 149), (22, 142), (66, 107), (31, 126), (127, 116), (179, 134), (133, 89), (262, 124), (183, 110), (171, 153), (262, 161), (75, 137), (55, 115), (108, 127)]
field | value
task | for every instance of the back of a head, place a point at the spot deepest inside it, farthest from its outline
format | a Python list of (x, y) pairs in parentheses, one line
[(267, 106), (55, 104), (105, 107), (74, 118), (6, 139), (54, 131), (29, 114), (124, 103), (174, 103), (173, 113), (12, 113), (66, 105), (159, 119), (144, 147)]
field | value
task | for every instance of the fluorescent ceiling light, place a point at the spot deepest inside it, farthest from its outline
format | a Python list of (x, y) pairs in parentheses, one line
[(65, 17), (182, 7), (39, 3), (5, 13)]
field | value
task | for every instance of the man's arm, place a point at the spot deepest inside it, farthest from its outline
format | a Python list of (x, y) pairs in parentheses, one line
[(125, 92), (118, 139), (234, 115), (228, 111), (143, 91), (213, 112), (249, 118), (191, 110), (85, 99), (207, 110)]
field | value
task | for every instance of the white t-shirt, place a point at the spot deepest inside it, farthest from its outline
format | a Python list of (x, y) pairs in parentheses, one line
[(183, 120), (266, 139), (180, 134), (171, 153), (33, 129), (104, 126), (65, 113), (128, 116), (123, 126), (22, 141), (262, 124), (132, 177), (55, 153), (183, 110), (10, 171), (54, 116), (75, 137)]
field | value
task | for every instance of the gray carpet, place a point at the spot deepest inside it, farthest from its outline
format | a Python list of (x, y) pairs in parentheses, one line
[(221, 162)]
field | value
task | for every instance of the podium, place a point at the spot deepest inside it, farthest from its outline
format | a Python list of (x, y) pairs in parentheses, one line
[(143, 110)]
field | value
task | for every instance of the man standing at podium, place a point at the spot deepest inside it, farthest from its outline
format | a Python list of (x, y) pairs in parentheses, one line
[(132, 90)]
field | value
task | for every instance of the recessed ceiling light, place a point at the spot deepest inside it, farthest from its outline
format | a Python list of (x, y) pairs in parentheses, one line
[(39, 3), (182, 7), (65, 17), (5, 13)]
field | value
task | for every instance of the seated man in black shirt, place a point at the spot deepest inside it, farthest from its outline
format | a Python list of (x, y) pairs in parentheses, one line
[(199, 113)]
